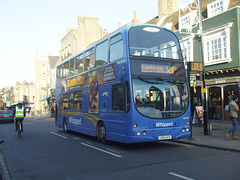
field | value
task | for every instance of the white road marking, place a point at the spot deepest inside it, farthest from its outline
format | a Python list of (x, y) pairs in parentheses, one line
[(59, 135), (180, 176), (107, 152)]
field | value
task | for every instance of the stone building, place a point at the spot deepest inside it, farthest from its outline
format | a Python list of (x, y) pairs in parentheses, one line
[(76, 40), (23, 92), (43, 81), (7, 96)]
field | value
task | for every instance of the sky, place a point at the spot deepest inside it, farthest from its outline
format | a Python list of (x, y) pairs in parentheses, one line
[(30, 25)]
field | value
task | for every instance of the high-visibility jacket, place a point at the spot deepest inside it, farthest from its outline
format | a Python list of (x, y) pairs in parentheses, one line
[(19, 112)]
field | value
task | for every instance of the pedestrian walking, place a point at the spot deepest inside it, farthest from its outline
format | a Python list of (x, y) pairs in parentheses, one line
[(233, 114)]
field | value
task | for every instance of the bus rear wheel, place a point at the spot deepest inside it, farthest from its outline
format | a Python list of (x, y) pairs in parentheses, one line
[(101, 133), (65, 128)]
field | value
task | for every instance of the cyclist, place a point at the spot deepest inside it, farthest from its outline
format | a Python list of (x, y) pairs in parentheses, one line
[(19, 112)]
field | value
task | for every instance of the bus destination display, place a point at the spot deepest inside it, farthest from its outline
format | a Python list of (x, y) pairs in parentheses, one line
[(162, 69)]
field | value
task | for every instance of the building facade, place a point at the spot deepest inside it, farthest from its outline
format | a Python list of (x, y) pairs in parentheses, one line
[(219, 50), (43, 82), (23, 92), (76, 40)]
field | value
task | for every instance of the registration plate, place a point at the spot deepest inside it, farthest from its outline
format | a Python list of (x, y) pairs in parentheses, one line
[(6, 116), (164, 137)]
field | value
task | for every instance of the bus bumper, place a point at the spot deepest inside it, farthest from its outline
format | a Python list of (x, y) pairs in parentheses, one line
[(153, 135)]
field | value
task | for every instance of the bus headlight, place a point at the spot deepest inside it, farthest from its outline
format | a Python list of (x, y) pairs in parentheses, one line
[(187, 129), (138, 133), (135, 126), (144, 133), (183, 130)]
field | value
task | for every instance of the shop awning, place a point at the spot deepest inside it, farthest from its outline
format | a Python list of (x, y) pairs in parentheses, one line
[(46, 98)]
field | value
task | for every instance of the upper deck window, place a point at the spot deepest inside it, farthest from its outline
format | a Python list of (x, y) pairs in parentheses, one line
[(59, 73), (153, 42), (102, 54), (89, 59), (116, 48), (71, 72), (79, 64), (65, 69)]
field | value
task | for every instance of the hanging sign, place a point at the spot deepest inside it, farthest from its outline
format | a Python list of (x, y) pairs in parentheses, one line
[(196, 66)]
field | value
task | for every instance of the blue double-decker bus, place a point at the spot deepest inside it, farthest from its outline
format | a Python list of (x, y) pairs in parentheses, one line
[(129, 87)]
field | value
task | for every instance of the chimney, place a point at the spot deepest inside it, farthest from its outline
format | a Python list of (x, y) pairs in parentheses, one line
[(135, 20)]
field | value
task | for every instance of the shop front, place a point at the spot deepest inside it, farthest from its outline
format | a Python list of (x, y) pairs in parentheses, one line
[(219, 93), (219, 96)]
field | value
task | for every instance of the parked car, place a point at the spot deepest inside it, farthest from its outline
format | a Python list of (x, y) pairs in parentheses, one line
[(6, 116)]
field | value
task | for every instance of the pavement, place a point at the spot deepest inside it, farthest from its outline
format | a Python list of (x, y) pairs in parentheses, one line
[(216, 138)]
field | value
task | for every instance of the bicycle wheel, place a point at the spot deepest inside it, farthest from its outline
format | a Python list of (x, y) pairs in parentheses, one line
[(19, 131)]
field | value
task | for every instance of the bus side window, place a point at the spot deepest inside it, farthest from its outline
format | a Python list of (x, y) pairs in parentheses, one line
[(118, 97), (59, 73), (65, 98), (77, 100), (60, 102), (71, 101)]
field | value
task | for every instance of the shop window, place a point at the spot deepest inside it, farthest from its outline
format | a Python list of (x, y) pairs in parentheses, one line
[(215, 103)]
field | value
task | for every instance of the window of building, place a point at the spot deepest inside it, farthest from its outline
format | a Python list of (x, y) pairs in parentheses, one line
[(69, 49), (77, 100), (63, 54), (89, 59), (102, 54), (188, 21), (187, 47), (217, 47), (79, 64), (217, 7), (116, 48)]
